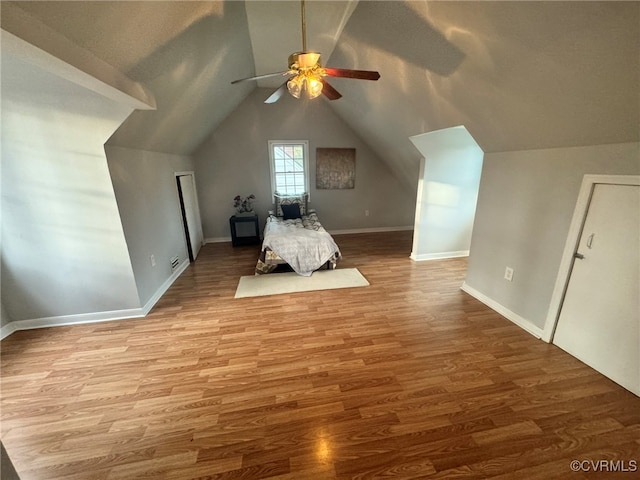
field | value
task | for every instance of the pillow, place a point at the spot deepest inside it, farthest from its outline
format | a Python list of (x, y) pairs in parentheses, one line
[(290, 212), (301, 200)]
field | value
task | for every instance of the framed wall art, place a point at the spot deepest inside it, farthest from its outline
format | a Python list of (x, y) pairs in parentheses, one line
[(335, 168)]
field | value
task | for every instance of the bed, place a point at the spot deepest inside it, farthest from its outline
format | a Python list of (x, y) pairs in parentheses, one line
[(294, 236)]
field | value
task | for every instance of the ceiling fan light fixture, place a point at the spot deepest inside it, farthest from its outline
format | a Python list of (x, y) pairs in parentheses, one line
[(305, 84), (295, 85), (306, 73), (314, 86)]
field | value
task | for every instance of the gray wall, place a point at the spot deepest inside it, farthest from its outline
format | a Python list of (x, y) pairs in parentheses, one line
[(5, 319), (147, 196), (525, 206), (63, 248), (235, 161)]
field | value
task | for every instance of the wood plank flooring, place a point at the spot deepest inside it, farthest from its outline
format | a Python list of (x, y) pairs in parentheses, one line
[(407, 378)]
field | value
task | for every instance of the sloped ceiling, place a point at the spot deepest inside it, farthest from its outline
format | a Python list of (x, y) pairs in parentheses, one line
[(186, 53), (518, 75)]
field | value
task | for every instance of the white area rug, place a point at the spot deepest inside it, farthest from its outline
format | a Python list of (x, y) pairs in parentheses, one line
[(290, 282)]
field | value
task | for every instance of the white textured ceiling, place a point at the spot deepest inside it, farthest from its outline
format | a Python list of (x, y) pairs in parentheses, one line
[(517, 75)]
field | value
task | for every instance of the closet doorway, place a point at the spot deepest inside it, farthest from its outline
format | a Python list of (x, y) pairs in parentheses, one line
[(186, 184)]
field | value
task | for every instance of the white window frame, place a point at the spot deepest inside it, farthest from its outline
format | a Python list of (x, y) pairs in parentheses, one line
[(305, 146)]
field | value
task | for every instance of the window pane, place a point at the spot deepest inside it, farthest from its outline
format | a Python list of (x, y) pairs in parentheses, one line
[(288, 151), (280, 183), (289, 168), (298, 179)]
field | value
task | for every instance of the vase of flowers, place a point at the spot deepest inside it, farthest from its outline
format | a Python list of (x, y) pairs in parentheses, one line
[(244, 206)]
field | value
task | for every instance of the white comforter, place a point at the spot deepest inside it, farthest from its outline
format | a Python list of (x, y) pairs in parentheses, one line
[(304, 249)]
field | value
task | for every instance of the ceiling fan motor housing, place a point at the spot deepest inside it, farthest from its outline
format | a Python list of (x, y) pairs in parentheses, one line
[(304, 60)]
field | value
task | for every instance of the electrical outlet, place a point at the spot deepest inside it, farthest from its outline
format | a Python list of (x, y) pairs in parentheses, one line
[(508, 274), (152, 259), (366, 213)]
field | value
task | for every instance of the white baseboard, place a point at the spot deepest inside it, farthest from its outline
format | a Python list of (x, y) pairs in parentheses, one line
[(217, 240), (7, 330), (504, 311), (438, 256), (332, 232), (93, 317), (164, 287), (371, 230), (75, 319)]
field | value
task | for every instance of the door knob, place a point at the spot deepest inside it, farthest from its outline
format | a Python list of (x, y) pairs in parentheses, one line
[(579, 256)]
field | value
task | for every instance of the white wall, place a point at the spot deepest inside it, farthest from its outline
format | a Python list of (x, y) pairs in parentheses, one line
[(63, 248), (147, 196), (447, 193), (525, 206), (235, 161)]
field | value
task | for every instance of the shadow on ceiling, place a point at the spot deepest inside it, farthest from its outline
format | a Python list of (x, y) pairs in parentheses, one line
[(397, 29)]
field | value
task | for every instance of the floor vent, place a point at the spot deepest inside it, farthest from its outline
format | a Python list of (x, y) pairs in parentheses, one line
[(174, 263)]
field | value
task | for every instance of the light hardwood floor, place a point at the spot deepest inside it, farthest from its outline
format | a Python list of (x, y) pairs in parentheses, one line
[(409, 378)]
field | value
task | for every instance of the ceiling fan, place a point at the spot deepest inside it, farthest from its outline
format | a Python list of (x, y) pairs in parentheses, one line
[(306, 74)]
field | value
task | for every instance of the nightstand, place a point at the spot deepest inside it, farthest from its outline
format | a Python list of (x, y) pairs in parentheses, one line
[(244, 230)]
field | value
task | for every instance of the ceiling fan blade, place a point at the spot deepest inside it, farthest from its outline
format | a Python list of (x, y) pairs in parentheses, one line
[(359, 74), (275, 96), (259, 77), (330, 92)]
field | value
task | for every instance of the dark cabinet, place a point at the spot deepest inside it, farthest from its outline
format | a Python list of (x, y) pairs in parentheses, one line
[(244, 230)]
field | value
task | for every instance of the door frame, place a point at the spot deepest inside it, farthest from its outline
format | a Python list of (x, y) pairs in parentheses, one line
[(191, 174), (573, 238)]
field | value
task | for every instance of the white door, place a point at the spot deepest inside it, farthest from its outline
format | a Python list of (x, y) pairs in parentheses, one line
[(190, 213), (600, 316)]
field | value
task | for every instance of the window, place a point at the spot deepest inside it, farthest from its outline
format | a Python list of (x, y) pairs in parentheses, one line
[(289, 161)]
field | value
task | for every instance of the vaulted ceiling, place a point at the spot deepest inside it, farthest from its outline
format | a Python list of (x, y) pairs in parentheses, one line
[(518, 75)]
